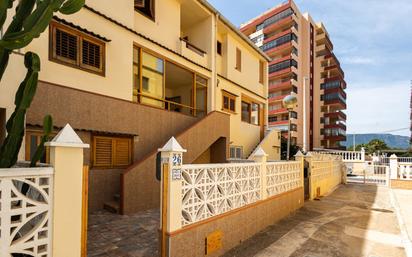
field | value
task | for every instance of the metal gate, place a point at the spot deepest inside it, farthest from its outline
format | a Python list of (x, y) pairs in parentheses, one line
[(372, 174)]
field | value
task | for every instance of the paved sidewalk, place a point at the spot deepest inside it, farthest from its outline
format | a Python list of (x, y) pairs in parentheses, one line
[(112, 235), (354, 221), (403, 200)]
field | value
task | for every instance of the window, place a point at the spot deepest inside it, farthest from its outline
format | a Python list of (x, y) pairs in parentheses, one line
[(111, 152), (261, 72), (246, 112), (251, 111), (236, 152), (33, 139), (238, 60), (165, 85), (254, 115), (229, 102), (145, 7), (273, 119), (76, 49), (219, 48)]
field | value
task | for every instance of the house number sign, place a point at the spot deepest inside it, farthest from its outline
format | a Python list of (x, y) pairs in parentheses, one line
[(177, 160)]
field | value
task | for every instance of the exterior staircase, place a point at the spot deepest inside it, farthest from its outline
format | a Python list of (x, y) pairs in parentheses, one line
[(139, 188), (268, 144)]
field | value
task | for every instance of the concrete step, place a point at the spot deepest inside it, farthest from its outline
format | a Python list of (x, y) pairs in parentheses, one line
[(112, 206)]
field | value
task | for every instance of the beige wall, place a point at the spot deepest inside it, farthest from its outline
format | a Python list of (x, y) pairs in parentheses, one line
[(401, 184), (236, 226)]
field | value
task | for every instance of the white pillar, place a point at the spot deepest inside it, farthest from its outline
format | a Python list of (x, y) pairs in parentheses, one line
[(363, 154), (260, 156), (172, 156), (393, 165), (66, 155)]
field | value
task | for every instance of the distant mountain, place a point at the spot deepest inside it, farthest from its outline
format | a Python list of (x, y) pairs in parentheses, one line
[(393, 141)]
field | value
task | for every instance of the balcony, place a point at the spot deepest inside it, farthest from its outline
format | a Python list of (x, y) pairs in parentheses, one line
[(281, 24), (196, 25), (338, 125), (279, 123), (193, 53), (335, 70), (277, 98), (278, 111), (338, 114), (281, 85)]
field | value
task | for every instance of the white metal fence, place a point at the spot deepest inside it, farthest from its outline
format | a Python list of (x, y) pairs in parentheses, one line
[(212, 189), (26, 197)]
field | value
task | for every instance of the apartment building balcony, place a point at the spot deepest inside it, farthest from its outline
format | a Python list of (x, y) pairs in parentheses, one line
[(335, 70), (336, 103), (288, 83), (337, 115), (283, 73), (338, 125), (252, 26), (323, 39), (281, 24), (277, 98), (196, 27), (277, 35), (278, 111), (338, 77), (193, 53), (334, 59), (337, 90), (279, 123), (283, 49), (323, 50)]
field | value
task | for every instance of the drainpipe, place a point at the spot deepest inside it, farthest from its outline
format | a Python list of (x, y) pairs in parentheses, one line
[(214, 61)]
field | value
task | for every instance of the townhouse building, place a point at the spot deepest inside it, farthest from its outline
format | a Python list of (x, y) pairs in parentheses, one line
[(303, 63), (129, 76)]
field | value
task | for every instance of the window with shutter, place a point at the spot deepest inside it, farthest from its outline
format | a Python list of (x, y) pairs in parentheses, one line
[(91, 55), (76, 49), (122, 150), (111, 152), (238, 60), (103, 149), (66, 46)]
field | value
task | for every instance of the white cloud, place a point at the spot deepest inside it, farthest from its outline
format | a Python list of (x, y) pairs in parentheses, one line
[(378, 109), (359, 60)]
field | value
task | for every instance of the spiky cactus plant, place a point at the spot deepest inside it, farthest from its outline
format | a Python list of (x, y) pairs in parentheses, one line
[(30, 20), (47, 130)]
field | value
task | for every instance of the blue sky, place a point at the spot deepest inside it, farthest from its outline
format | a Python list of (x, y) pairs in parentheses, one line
[(373, 40)]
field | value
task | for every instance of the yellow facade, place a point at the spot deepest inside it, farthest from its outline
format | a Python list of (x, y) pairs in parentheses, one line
[(177, 30)]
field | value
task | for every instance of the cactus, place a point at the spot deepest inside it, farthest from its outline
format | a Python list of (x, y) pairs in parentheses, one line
[(31, 19), (47, 130)]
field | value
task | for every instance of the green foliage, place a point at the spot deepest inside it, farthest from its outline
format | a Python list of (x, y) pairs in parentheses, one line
[(30, 20), (15, 125), (47, 130), (373, 146)]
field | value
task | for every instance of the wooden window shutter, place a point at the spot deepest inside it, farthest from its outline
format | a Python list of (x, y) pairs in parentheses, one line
[(122, 152), (66, 45), (261, 71), (238, 59), (103, 148), (91, 54), (139, 3)]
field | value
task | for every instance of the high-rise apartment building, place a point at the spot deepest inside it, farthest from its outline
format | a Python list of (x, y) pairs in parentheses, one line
[(303, 63)]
